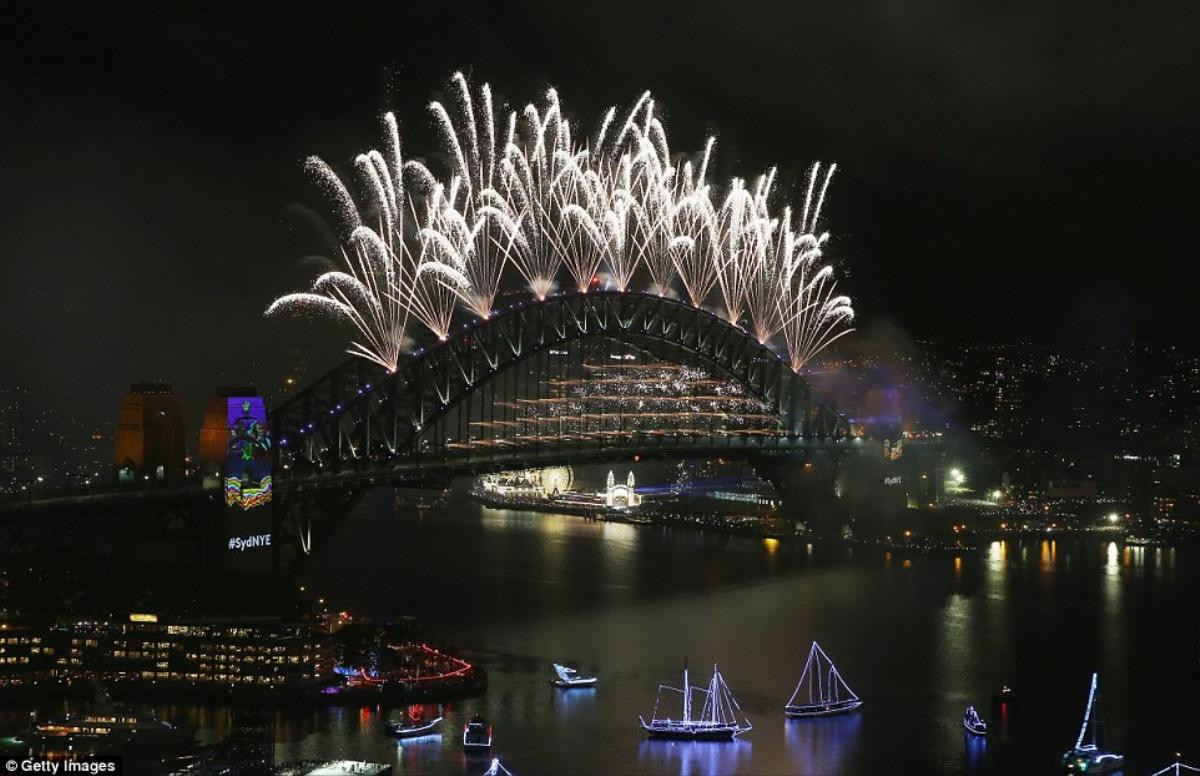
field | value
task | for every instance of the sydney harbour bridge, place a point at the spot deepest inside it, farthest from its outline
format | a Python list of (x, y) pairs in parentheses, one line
[(575, 378)]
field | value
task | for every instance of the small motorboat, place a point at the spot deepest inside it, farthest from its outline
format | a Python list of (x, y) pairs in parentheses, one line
[(821, 691), (569, 677), (1005, 694), (414, 724), (477, 735), (973, 723)]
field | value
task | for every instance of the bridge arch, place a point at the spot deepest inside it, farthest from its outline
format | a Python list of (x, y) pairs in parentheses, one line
[(361, 420)]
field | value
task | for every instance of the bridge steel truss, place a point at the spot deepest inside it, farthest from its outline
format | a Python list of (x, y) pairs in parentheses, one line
[(359, 421)]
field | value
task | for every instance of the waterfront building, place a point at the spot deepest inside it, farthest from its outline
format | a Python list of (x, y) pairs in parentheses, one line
[(621, 496), (28, 659), (256, 654)]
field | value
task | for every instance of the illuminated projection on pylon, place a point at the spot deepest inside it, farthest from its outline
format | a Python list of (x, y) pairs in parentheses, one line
[(248, 460)]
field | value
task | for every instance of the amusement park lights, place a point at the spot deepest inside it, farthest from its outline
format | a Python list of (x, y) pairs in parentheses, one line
[(524, 191)]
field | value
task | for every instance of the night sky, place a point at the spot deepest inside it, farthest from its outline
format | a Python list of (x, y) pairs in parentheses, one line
[(1006, 171)]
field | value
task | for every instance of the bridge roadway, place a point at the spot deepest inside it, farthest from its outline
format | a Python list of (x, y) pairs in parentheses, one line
[(428, 471), (358, 427)]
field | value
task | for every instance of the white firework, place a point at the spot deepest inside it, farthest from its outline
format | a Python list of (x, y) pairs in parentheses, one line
[(416, 245), (386, 280), (481, 231), (538, 171), (817, 316)]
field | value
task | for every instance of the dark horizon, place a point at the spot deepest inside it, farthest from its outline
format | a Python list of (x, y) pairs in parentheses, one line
[(1019, 175)]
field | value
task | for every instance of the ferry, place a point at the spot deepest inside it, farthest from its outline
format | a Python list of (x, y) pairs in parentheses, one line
[(108, 726)]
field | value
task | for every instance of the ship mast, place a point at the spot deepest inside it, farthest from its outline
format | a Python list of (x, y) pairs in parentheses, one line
[(1087, 715), (687, 695), (714, 691)]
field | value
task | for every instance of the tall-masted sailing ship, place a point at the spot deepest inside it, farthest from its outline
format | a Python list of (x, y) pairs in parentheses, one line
[(720, 717)]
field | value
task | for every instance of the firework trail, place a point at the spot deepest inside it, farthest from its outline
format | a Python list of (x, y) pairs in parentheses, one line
[(480, 230), (694, 247), (816, 316), (414, 247), (538, 171), (386, 280)]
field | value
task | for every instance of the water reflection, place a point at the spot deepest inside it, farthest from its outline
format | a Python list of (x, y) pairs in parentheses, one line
[(976, 751), (626, 602), (574, 704), (1112, 566), (1049, 554), (696, 758), (413, 754), (822, 745)]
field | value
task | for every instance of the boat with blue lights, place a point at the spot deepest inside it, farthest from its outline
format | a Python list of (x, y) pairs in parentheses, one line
[(720, 717), (1089, 756), (415, 724), (569, 677), (973, 723), (821, 691), (477, 735)]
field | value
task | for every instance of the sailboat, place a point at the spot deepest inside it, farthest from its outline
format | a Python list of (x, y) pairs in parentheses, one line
[(496, 769), (821, 690), (1088, 755), (570, 677), (720, 717)]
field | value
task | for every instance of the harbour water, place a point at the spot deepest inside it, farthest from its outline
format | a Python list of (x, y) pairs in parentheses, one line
[(918, 637)]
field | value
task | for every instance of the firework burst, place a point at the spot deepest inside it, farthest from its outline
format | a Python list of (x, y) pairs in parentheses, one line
[(387, 279), (531, 198), (480, 230)]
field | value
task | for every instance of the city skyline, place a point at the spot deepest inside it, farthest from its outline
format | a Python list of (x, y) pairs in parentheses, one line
[(182, 256)]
